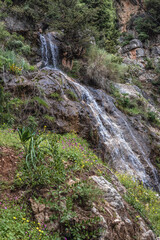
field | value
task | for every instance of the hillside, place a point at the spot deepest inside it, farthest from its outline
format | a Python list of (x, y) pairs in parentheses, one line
[(79, 119)]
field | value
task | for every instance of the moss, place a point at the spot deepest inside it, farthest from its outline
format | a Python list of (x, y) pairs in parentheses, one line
[(72, 96), (56, 96)]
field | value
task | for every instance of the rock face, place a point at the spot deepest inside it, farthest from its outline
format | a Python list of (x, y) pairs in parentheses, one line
[(122, 225), (110, 193), (92, 114), (117, 220), (126, 9)]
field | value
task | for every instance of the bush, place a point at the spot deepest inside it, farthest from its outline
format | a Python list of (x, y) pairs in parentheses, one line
[(127, 37), (102, 67), (149, 25), (152, 117), (12, 49), (9, 60)]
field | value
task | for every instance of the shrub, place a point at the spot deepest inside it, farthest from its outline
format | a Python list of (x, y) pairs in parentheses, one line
[(149, 65), (10, 58), (102, 67), (148, 25), (127, 37), (152, 117)]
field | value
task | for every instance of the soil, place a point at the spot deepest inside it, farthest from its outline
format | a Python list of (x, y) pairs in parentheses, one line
[(8, 163)]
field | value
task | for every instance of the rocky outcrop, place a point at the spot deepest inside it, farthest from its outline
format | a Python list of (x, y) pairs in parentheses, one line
[(118, 220), (126, 9)]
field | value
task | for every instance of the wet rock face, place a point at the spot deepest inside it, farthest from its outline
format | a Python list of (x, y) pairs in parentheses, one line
[(70, 115)]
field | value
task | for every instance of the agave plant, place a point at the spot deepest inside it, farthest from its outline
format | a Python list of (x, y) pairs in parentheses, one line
[(32, 146)]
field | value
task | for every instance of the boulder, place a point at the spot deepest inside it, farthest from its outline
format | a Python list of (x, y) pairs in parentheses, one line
[(155, 51), (110, 193), (140, 52), (135, 43)]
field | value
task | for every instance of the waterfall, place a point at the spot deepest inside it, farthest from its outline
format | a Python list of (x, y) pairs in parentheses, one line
[(124, 157), (44, 50), (49, 51)]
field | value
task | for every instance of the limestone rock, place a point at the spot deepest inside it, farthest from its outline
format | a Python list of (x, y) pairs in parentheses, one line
[(40, 217), (135, 43), (155, 51), (110, 193), (149, 235), (140, 52)]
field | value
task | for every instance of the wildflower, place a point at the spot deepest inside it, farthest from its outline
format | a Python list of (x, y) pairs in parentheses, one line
[(14, 218)]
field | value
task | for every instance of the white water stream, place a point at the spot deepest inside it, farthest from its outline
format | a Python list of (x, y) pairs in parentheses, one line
[(111, 134)]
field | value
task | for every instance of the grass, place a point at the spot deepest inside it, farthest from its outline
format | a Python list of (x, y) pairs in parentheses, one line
[(63, 158), (72, 96), (56, 96), (144, 200), (60, 158), (9, 138), (16, 224)]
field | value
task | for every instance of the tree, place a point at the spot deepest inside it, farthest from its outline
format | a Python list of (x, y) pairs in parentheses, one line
[(72, 18)]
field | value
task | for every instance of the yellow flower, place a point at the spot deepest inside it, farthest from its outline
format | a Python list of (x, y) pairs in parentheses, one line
[(14, 218)]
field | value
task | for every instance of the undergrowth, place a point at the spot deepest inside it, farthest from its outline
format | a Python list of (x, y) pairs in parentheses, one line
[(145, 200)]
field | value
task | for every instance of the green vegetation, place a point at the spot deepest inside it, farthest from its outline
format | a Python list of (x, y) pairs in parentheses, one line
[(12, 53), (9, 107), (104, 20), (40, 101), (81, 21), (35, 171), (16, 224), (131, 107), (135, 106), (142, 199), (103, 67), (149, 64), (56, 96), (71, 95), (127, 37), (149, 25), (125, 104), (9, 138), (51, 161), (153, 118)]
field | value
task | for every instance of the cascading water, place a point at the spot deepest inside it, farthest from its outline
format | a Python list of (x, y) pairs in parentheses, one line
[(112, 135), (49, 51)]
